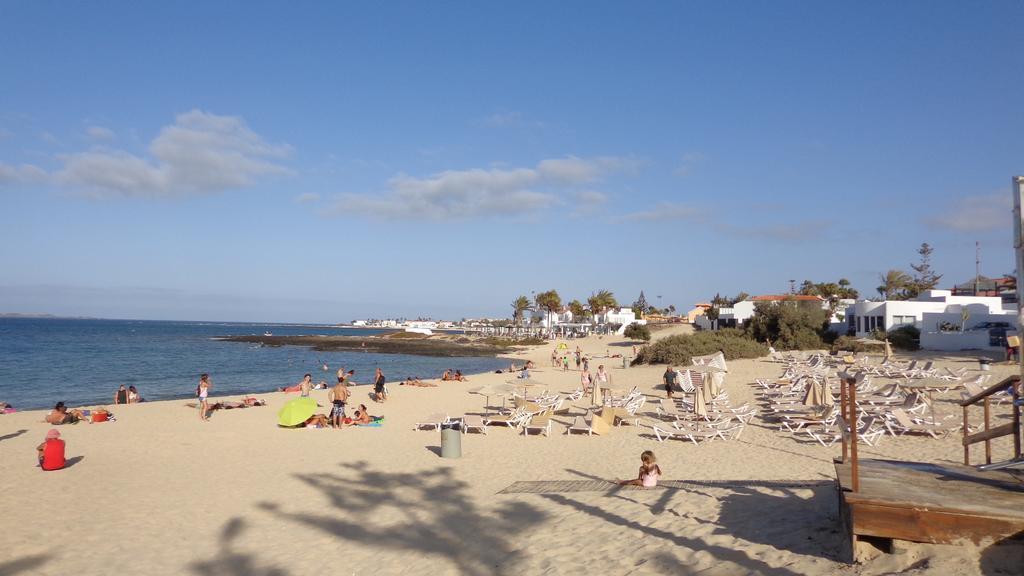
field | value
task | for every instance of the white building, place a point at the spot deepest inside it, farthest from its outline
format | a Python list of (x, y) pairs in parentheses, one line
[(946, 322), (739, 313), (550, 319)]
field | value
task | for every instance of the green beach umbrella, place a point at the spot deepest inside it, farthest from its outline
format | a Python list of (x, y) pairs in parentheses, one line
[(296, 411)]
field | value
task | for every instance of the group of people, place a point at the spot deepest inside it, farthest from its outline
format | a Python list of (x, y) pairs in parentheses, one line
[(563, 360), (456, 375), (601, 379), (61, 414), (127, 395)]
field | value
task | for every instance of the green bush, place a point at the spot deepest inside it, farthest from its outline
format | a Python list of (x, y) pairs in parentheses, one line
[(789, 325), (905, 338), (637, 332), (680, 348), (855, 345)]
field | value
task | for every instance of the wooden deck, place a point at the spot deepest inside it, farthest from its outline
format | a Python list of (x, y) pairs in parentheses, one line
[(940, 504)]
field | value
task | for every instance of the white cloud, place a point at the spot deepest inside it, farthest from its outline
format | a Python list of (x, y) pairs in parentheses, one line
[(663, 211), (477, 192), (806, 230), (99, 133), (307, 198), (21, 174), (500, 119), (981, 213), (591, 198), (201, 153), (688, 163)]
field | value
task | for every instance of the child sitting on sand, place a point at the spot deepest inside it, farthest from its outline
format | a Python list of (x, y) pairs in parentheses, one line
[(649, 472)]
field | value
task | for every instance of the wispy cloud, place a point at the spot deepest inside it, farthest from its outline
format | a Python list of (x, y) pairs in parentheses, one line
[(11, 175), (688, 162), (663, 211), (201, 153), (980, 213), (480, 192), (100, 133), (307, 198), (799, 231)]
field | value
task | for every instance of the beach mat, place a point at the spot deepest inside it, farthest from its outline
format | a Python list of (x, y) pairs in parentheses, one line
[(566, 486)]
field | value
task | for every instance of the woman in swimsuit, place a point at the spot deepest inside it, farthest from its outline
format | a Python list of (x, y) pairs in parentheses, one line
[(133, 395), (203, 390)]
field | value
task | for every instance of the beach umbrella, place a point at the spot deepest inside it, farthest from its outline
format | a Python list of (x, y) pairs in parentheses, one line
[(525, 383), (562, 346), (714, 377), (296, 411), (495, 389), (700, 406)]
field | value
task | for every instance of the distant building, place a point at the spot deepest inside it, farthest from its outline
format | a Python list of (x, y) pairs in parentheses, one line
[(739, 313), (1005, 288), (698, 310), (946, 321)]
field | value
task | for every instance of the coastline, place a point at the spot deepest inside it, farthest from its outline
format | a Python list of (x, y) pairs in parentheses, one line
[(447, 346)]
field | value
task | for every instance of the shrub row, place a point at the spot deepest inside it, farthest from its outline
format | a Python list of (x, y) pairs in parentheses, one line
[(680, 348)]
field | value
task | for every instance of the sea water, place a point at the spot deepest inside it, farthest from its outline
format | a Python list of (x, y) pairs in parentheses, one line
[(82, 362)]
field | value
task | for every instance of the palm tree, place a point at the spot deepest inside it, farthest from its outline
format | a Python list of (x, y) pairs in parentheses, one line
[(601, 301), (893, 283), (549, 301), (519, 306), (577, 309)]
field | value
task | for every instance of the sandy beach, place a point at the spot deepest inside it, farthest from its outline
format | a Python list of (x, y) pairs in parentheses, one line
[(160, 492)]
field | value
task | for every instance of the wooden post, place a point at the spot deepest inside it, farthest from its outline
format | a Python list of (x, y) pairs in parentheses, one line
[(988, 443), (853, 437), (1016, 419), (967, 447), (843, 411)]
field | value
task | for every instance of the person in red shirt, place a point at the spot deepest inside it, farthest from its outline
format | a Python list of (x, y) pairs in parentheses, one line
[(51, 452)]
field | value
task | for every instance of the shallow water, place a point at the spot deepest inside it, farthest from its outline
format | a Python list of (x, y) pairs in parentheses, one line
[(83, 361)]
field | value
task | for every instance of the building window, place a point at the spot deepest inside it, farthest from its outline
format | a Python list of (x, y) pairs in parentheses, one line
[(880, 322)]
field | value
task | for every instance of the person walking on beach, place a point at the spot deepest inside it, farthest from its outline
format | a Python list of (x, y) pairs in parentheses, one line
[(378, 387), (670, 381), (579, 359), (51, 451), (203, 391), (603, 378), (649, 474), (586, 363), (585, 381), (554, 357), (338, 397), (306, 385), (565, 363)]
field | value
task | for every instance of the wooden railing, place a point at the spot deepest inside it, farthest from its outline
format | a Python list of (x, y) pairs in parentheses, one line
[(989, 433)]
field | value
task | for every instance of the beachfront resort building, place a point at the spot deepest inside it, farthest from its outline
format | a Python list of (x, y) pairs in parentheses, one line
[(946, 321), (698, 310), (736, 315)]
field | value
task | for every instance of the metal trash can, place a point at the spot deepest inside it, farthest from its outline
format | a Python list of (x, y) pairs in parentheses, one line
[(984, 364), (625, 361), (451, 440)]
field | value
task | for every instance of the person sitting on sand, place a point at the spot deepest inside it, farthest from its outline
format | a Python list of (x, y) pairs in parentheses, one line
[(524, 374), (362, 416), (446, 376), (121, 396), (133, 396), (649, 474), (460, 377), (61, 415), (51, 451)]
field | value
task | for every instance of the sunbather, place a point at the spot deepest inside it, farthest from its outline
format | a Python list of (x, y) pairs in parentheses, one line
[(61, 415), (316, 421)]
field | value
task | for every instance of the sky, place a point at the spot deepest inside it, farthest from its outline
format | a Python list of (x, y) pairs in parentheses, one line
[(322, 162)]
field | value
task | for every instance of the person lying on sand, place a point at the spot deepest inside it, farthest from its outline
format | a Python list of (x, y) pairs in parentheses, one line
[(460, 377), (61, 415), (316, 421)]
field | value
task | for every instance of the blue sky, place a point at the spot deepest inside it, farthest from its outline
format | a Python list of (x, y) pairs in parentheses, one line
[(321, 162)]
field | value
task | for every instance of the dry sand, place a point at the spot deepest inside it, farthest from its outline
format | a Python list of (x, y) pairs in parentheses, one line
[(160, 492)]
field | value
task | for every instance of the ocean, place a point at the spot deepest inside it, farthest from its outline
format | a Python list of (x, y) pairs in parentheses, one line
[(82, 362)]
